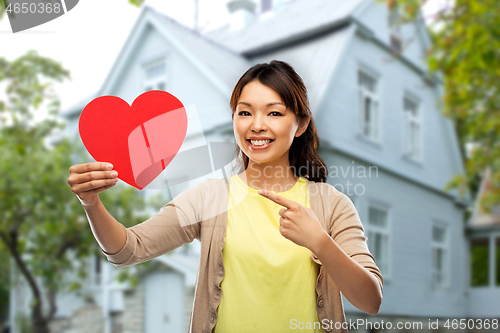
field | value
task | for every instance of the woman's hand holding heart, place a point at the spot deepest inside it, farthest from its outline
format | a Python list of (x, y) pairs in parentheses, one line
[(298, 223)]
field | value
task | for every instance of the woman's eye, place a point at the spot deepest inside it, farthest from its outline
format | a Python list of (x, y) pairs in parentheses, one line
[(275, 113)]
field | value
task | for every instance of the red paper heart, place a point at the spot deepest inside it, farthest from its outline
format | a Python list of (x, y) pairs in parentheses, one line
[(139, 140)]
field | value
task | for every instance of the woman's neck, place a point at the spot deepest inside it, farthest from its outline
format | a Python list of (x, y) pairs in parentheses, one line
[(277, 178)]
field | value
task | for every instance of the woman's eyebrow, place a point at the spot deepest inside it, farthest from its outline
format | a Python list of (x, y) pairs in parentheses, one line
[(268, 104)]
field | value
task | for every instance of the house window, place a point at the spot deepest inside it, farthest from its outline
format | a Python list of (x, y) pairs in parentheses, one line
[(412, 128), (485, 261), (368, 105), (155, 76), (479, 262), (439, 255), (395, 36), (377, 232)]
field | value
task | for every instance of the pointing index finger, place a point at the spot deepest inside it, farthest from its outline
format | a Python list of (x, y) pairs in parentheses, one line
[(277, 198)]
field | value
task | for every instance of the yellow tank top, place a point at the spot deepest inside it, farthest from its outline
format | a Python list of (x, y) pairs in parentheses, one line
[(269, 282)]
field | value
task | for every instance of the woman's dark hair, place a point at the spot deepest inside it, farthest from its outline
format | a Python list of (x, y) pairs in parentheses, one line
[(282, 78)]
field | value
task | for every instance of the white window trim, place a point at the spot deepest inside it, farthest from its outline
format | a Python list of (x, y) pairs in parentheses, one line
[(375, 96), (445, 246), (493, 261), (154, 82), (387, 274), (408, 119)]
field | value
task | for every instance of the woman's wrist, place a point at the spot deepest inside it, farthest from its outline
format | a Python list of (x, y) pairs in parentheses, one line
[(321, 244), (89, 202)]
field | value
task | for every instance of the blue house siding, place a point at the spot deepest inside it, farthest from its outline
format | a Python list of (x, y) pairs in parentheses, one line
[(375, 16), (412, 209), (338, 116)]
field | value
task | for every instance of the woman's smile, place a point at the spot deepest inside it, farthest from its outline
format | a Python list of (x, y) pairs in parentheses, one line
[(259, 143)]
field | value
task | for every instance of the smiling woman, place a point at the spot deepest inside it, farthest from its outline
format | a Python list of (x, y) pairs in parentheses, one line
[(279, 245)]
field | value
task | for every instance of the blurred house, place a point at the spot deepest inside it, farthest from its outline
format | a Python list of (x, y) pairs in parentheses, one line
[(383, 138)]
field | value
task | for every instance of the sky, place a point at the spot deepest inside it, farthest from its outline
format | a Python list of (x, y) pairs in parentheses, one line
[(87, 40)]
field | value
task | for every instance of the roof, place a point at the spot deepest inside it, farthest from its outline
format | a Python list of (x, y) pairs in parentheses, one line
[(222, 50), (292, 21), (480, 218), (227, 64), (78, 106)]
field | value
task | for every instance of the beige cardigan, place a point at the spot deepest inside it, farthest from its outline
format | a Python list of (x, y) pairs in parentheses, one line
[(201, 212)]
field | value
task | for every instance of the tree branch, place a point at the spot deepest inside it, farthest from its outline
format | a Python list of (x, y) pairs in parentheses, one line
[(12, 247)]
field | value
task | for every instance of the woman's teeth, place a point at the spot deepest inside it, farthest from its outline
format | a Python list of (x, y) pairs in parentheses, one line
[(260, 142)]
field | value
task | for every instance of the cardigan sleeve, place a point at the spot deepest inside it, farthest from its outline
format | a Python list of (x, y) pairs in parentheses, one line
[(348, 232), (177, 223)]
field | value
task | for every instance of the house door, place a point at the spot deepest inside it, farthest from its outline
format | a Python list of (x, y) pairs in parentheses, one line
[(164, 303)]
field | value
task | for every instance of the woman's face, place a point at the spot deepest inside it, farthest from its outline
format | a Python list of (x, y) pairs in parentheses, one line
[(260, 108)]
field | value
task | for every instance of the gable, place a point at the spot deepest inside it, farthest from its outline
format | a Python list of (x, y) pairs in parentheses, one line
[(182, 40), (375, 16), (315, 60), (337, 117), (480, 218), (222, 62)]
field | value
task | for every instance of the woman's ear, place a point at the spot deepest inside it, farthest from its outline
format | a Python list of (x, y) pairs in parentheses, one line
[(302, 129)]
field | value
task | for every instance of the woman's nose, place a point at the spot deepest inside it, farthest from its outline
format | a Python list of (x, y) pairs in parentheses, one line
[(259, 124)]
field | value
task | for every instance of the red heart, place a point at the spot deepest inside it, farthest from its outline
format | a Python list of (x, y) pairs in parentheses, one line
[(139, 140)]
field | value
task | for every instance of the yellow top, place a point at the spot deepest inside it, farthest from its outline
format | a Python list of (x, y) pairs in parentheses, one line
[(269, 282)]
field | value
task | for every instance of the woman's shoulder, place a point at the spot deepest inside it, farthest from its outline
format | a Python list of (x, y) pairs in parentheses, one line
[(324, 188), (212, 185), (326, 191)]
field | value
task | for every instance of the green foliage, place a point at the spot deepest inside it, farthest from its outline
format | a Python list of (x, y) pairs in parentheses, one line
[(479, 264), (136, 2), (23, 324), (465, 49)]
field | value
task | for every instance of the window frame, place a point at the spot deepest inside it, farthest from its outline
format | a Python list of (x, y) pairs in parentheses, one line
[(156, 81), (445, 247), (371, 230), (374, 96), (410, 120), (491, 238)]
